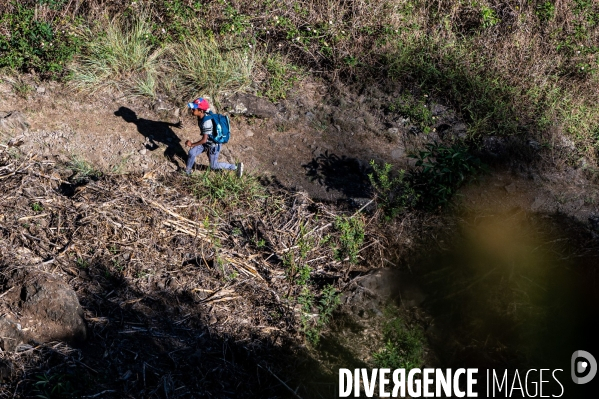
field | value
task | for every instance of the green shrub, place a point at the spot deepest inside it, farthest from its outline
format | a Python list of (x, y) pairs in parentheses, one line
[(226, 188), (404, 347), (282, 75), (313, 324), (417, 110), (546, 11), (28, 43), (351, 237), (54, 386), (394, 195), (441, 170), (489, 17)]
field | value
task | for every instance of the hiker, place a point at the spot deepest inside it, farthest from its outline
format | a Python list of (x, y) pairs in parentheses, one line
[(199, 107)]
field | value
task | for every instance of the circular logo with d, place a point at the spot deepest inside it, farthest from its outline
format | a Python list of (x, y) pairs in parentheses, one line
[(584, 367)]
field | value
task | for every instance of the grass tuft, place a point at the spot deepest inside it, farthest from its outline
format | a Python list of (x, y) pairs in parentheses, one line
[(201, 65), (124, 57)]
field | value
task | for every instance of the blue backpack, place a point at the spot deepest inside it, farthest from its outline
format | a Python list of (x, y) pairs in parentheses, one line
[(221, 127)]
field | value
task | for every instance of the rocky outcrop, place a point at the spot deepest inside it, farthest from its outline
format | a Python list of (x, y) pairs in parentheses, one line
[(249, 105), (40, 307), (13, 123)]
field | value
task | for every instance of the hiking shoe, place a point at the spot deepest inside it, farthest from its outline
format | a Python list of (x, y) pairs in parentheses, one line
[(240, 169)]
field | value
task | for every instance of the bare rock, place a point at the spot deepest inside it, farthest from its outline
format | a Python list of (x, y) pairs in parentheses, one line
[(7, 370), (398, 153), (384, 285), (511, 188), (438, 109), (250, 105), (13, 122), (162, 105), (495, 146), (47, 308), (11, 335)]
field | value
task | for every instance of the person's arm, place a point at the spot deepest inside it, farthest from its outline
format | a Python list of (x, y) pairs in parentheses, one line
[(189, 144), (205, 129)]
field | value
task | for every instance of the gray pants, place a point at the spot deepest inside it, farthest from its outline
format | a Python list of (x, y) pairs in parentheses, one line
[(213, 151)]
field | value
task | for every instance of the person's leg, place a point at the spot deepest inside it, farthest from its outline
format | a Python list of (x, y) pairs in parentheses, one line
[(213, 154), (191, 157)]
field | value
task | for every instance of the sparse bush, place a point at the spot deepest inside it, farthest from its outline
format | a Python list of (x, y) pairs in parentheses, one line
[(226, 189), (54, 386), (489, 17), (351, 237), (282, 75), (312, 324), (416, 110), (393, 194), (546, 11), (404, 346)]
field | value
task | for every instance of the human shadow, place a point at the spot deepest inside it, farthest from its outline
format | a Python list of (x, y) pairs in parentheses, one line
[(156, 132)]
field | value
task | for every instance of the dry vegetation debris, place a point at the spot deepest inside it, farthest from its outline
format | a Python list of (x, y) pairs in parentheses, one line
[(155, 264)]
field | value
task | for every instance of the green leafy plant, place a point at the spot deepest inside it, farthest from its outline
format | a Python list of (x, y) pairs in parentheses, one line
[(489, 17), (117, 266), (404, 346), (306, 301), (441, 170), (393, 194), (53, 386), (232, 276), (236, 22), (52, 4), (415, 109), (31, 43), (81, 263), (328, 302), (312, 324), (546, 11), (304, 242), (226, 188), (37, 207), (351, 237)]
